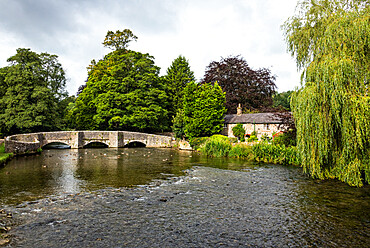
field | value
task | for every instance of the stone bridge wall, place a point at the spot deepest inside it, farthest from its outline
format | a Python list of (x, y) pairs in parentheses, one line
[(30, 143)]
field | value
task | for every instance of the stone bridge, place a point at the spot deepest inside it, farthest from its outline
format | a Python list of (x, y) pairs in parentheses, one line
[(32, 142)]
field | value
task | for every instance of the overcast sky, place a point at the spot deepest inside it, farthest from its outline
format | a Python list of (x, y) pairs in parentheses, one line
[(201, 30)]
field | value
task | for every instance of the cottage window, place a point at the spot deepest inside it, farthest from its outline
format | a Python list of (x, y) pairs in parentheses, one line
[(266, 126)]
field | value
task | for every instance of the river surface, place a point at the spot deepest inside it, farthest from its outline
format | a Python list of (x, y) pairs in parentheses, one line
[(144, 197)]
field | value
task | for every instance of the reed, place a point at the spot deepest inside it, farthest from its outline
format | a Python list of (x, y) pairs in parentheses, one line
[(220, 146), (216, 148), (277, 154)]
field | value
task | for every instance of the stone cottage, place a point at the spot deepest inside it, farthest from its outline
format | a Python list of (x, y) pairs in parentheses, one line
[(263, 123)]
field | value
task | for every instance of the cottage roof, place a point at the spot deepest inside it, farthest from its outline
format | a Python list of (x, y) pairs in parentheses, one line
[(258, 118)]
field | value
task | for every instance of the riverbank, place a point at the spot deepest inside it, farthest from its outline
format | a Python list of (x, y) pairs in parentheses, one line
[(220, 146), (4, 157)]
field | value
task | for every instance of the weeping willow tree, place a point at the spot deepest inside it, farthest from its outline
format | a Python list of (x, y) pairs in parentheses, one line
[(330, 41)]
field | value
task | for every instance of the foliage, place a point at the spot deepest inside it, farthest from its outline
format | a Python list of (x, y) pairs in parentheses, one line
[(204, 109), (285, 139), (216, 148), (241, 151), (31, 89), (277, 154), (253, 89), (178, 76), (197, 142), (239, 131), (233, 140), (119, 39), (262, 151), (289, 137), (282, 100), (66, 105), (123, 92), (266, 138), (178, 126), (330, 41), (4, 156), (252, 138)]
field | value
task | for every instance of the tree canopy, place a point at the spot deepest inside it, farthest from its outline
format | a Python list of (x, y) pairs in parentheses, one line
[(31, 88), (282, 100), (330, 41), (178, 76), (123, 92), (203, 110), (119, 39), (253, 89)]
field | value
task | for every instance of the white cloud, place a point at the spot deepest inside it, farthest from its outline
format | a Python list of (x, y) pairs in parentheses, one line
[(202, 31)]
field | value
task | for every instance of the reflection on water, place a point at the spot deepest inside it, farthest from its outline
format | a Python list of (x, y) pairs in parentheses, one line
[(69, 171)]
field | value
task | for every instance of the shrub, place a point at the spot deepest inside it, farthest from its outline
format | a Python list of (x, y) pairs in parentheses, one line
[(239, 131), (252, 138), (196, 143), (286, 139), (219, 137)]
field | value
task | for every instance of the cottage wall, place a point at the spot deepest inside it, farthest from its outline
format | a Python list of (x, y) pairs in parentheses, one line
[(261, 129)]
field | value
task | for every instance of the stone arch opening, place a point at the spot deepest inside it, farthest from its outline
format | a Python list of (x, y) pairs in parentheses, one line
[(134, 144), (96, 144), (56, 145)]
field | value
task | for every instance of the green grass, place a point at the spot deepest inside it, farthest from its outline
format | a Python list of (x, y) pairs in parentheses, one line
[(4, 156)]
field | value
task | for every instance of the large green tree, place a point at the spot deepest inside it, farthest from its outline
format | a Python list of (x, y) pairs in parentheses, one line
[(178, 76), (282, 100), (31, 88), (123, 92), (330, 41), (203, 110)]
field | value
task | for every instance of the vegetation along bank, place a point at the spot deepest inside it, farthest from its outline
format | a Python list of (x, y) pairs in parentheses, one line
[(4, 157), (221, 146)]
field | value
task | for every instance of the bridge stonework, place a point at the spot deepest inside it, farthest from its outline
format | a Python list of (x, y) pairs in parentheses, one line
[(31, 142)]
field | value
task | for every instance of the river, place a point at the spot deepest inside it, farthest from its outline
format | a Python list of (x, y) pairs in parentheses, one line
[(144, 197)]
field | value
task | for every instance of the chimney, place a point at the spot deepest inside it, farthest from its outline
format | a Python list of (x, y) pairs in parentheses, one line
[(239, 110)]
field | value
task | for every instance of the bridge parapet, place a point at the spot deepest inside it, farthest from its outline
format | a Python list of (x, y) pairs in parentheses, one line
[(30, 143)]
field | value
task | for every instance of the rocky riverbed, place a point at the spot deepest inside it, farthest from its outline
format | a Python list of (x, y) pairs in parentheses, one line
[(208, 207)]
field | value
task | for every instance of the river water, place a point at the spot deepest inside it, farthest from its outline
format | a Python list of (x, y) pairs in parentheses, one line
[(143, 197)]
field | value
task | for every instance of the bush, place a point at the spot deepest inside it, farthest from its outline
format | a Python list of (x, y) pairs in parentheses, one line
[(219, 137), (252, 138), (196, 143), (286, 139), (239, 131)]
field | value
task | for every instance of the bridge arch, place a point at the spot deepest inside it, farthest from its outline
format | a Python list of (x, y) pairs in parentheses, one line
[(56, 145), (135, 143), (96, 144)]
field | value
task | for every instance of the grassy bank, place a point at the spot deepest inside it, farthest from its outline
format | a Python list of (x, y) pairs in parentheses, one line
[(218, 146), (4, 157)]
